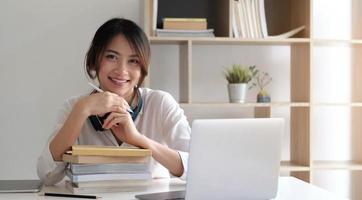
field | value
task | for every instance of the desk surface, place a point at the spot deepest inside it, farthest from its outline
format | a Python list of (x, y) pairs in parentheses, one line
[(289, 188)]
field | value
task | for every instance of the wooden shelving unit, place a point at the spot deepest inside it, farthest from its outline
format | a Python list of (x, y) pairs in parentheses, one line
[(227, 40), (288, 166), (302, 104), (237, 105), (338, 165), (331, 42)]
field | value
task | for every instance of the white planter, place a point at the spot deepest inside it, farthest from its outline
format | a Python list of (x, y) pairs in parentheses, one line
[(237, 92)]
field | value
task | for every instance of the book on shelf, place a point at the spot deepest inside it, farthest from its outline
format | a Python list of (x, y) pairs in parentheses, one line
[(105, 188), (235, 21), (95, 150), (108, 177), (256, 17), (185, 23), (78, 169), (262, 18), (249, 21), (154, 16), (79, 159), (244, 19), (185, 33)]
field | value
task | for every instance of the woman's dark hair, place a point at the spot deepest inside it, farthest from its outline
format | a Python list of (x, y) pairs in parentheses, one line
[(136, 38)]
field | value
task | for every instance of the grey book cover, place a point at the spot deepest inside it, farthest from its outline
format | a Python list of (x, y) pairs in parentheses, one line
[(78, 169)]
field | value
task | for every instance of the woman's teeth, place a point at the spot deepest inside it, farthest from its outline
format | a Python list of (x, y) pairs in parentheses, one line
[(119, 81)]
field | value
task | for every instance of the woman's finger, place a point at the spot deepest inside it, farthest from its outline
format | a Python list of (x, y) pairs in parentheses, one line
[(118, 119), (113, 115), (109, 118), (115, 100)]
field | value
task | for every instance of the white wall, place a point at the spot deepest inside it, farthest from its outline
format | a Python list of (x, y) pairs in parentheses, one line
[(42, 48)]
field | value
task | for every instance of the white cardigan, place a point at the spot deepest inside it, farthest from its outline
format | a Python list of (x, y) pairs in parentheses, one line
[(160, 119)]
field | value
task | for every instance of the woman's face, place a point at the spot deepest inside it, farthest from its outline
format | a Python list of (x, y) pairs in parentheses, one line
[(120, 69)]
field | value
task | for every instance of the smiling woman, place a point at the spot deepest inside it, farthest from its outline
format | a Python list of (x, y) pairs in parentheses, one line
[(119, 57)]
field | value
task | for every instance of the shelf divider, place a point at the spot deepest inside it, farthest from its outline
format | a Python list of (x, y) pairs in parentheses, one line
[(185, 71)]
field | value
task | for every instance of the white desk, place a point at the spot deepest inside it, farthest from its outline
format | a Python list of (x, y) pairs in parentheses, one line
[(289, 188)]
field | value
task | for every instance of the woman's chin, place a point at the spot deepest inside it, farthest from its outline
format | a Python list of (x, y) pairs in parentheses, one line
[(119, 90), (121, 93)]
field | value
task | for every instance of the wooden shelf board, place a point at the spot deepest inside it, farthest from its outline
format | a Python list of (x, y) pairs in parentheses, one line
[(291, 166), (224, 104), (168, 40), (346, 165), (337, 41), (354, 104), (226, 40)]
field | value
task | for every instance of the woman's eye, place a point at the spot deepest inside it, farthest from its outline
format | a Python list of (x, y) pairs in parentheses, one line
[(134, 61), (111, 57)]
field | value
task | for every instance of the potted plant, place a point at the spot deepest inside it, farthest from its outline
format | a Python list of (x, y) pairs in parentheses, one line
[(238, 78), (262, 79)]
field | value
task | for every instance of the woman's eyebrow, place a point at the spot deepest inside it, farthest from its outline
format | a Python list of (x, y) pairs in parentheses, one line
[(112, 51), (115, 52)]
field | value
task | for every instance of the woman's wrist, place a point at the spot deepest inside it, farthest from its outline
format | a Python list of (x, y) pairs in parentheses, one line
[(81, 108), (144, 142)]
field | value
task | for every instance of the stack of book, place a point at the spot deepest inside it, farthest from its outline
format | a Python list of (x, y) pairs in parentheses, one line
[(249, 21), (99, 169), (185, 27)]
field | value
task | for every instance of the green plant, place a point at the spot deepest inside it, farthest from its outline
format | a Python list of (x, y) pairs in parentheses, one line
[(240, 74), (261, 80)]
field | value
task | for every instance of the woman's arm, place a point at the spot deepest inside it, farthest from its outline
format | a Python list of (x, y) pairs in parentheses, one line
[(70, 131), (124, 129), (164, 155), (176, 133), (94, 104)]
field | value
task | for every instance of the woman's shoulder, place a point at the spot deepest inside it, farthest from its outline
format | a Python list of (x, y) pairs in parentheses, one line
[(155, 95)]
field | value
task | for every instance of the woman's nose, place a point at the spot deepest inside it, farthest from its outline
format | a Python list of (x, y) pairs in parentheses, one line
[(122, 66)]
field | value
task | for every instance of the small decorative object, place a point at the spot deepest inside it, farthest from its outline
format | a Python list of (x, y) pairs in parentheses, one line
[(262, 79), (238, 78)]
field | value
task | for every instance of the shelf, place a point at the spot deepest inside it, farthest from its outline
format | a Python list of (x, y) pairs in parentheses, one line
[(336, 41), (290, 166), (227, 40), (338, 104), (232, 105), (307, 59), (334, 165), (237, 41)]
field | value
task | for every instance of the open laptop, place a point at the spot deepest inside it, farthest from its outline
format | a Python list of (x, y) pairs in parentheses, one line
[(231, 159), (15, 186)]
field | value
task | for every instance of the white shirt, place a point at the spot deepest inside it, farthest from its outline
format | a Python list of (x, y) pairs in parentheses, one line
[(160, 119)]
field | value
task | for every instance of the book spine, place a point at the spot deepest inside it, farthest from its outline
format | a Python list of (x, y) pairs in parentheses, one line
[(103, 189), (103, 159), (185, 25), (98, 151), (106, 177), (79, 169), (235, 28), (263, 19), (184, 20)]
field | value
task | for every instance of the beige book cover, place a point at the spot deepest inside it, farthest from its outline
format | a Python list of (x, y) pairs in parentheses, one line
[(94, 150), (76, 159)]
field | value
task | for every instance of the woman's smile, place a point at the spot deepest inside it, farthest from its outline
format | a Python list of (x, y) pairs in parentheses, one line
[(119, 81)]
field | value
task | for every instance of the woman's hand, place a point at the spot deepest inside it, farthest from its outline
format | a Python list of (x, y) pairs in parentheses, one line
[(123, 127), (104, 102)]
